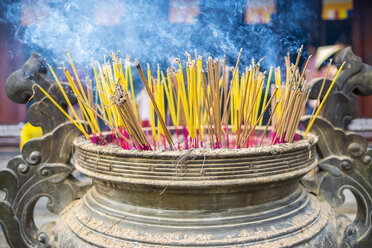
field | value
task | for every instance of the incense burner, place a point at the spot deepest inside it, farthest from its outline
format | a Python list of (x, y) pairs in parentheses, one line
[(254, 197), (200, 197)]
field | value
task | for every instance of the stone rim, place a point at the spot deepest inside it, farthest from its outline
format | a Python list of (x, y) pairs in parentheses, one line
[(221, 167)]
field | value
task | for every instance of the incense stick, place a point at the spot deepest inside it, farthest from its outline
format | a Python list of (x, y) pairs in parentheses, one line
[(321, 90), (324, 99), (268, 122), (61, 109), (167, 134), (203, 99)]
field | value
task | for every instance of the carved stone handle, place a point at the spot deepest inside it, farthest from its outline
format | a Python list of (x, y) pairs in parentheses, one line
[(344, 158), (34, 175), (44, 168), (355, 79), (345, 163)]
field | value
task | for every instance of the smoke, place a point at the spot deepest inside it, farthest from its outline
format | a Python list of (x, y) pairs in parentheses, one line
[(141, 28)]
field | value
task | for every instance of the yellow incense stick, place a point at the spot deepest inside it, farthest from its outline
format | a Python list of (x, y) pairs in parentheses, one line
[(258, 100), (90, 113), (107, 123), (168, 95), (77, 77), (91, 119), (76, 92), (181, 83), (279, 91), (178, 97), (190, 95), (105, 97), (236, 99), (232, 106), (324, 99), (252, 94), (115, 65), (162, 104), (249, 95), (99, 91), (321, 89), (170, 87), (122, 78), (199, 80), (61, 109), (255, 124), (195, 100), (266, 93), (158, 97), (108, 73), (65, 96), (131, 87)]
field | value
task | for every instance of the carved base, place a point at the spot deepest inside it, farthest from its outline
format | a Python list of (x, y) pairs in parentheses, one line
[(295, 221)]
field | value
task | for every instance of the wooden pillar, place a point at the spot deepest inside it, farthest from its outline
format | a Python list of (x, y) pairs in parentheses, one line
[(11, 59), (362, 45)]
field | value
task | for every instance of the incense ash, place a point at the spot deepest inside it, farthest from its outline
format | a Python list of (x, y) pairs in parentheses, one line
[(194, 104)]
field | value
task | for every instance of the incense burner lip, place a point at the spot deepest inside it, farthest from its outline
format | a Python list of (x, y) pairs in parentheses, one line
[(225, 152), (198, 167)]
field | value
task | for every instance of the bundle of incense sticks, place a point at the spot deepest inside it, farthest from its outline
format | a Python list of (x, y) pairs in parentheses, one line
[(194, 104)]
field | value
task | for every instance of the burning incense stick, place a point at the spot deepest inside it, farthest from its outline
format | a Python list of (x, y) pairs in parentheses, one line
[(201, 101)]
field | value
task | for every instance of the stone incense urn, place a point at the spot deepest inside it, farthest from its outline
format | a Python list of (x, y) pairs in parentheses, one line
[(219, 198), (255, 197)]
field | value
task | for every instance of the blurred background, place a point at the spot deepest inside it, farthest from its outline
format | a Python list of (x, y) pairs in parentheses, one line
[(158, 31)]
